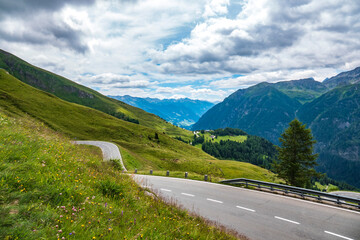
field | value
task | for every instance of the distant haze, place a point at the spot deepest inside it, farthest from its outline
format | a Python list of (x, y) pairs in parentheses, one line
[(180, 112)]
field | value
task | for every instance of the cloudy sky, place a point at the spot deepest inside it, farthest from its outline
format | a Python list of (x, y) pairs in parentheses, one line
[(202, 49)]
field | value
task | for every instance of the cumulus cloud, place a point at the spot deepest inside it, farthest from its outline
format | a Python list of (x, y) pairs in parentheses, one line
[(44, 22), (197, 49), (111, 80), (269, 35), (216, 7)]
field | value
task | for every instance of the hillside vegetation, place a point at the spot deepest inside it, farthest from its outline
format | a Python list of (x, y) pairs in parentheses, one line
[(334, 120), (260, 110), (73, 92), (330, 109), (52, 189), (140, 145), (235, 144)]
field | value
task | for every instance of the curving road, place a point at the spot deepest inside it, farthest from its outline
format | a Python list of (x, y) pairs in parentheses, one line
[(258, 215), (109, 150)]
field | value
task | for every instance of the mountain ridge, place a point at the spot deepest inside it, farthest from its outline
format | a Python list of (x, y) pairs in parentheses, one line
[(76, 93), (333, 117), (182, 112)]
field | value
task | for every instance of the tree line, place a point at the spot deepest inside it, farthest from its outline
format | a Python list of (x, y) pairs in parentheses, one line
[(255, 150)]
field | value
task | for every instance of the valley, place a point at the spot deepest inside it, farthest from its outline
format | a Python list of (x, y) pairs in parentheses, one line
[(330, 109)]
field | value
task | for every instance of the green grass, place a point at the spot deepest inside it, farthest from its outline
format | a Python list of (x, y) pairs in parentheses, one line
[(52, 189), (328, 188), (207, 137), (229, 169), (141, 149), (70, 91), (239, 139)]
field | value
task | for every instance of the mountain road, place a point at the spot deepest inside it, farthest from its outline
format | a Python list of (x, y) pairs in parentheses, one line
[(109, 150), (257, 215)]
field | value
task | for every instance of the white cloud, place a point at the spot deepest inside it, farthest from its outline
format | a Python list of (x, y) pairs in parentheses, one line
[(269, 35), (216, 7), (133, 47)]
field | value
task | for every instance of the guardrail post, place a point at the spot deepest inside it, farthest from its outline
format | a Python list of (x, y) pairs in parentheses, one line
[(246, 184), (151, 171), (259, 186), (206, 177), (167, 173), (286, 191), (271, 188), (338, 200), (186, 174), (135, 170), (319, 198)]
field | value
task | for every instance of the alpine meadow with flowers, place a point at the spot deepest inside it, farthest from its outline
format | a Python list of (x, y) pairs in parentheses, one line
[(52, 189)]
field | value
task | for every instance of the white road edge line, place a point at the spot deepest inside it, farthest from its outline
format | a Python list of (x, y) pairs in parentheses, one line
[(259, 192), (287, 220), (213, 200), (188, 194), (338, 235), (247, 209), (166, 190)]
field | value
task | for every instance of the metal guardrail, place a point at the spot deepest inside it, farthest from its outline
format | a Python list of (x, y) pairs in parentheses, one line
[(296, 190)]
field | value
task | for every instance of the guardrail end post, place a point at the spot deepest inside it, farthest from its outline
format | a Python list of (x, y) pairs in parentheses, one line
[(205, 177), (186, 174), (135, 170), (151, 171), (167, 173)]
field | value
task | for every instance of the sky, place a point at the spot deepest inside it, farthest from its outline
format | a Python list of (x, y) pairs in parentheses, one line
[(202, 49)]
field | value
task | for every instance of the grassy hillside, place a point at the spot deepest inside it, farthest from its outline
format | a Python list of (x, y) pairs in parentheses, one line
[(141, 148), (303, 90), (52, 189), (261, 110), (334, 121), (73, 92)]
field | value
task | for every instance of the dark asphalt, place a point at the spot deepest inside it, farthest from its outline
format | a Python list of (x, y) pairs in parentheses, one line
[(256, 214)]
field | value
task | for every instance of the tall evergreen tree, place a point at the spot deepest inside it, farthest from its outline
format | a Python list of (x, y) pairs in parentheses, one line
[(296, 157)]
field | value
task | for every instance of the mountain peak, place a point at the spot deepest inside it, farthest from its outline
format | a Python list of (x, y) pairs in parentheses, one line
[(344, 78)]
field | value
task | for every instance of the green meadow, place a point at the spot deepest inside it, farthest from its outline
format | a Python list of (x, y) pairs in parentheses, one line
[(139, 144), (52, 189)]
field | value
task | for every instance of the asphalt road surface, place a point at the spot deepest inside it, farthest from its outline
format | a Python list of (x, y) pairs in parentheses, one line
[(109, 150), (258, 215), (355, 195)]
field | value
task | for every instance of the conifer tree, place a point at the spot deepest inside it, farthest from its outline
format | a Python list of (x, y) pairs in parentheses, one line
[(296, 157)]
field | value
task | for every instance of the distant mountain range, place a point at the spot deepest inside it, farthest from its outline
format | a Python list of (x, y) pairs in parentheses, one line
[(182, 112), (331, 109)]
